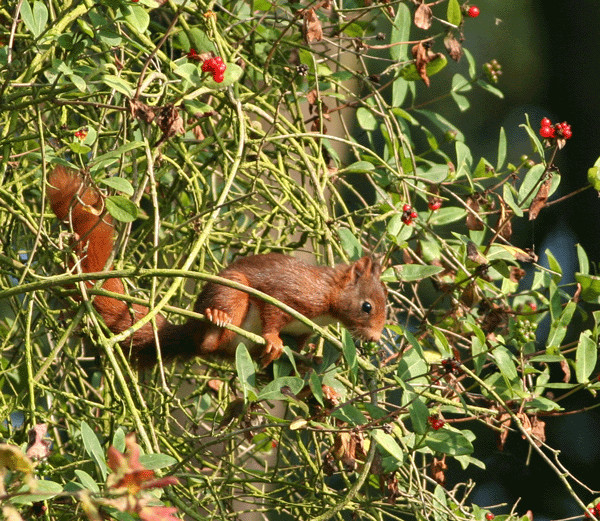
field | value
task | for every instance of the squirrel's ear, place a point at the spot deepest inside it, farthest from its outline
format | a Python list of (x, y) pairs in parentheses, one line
[(365, 266)]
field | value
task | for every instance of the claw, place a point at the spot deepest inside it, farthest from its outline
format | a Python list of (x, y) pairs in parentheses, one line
[(273, 349), (217, 317)]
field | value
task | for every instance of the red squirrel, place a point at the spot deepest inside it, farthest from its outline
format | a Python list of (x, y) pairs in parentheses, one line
[(351, 294)]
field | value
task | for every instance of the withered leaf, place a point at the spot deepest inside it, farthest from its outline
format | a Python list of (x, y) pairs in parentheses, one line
[(474, 255), (38, 448), (504, 223), (504, 420), (312, 29), (423, 16), (438, 470), (566, 369), (169, 121), (538, 430), (516, 274), (453, 46), (422, 57), (473, 222), (142, 111), (539, 201)]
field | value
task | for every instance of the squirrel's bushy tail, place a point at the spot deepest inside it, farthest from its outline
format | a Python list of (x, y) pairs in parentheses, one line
[(76, 202)]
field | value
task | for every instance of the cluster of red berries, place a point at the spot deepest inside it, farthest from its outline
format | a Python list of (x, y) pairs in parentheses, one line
[(216, 67), (473, 11), (435, 422), (81, 133), (559, 130), (593, 511), (408, 214)]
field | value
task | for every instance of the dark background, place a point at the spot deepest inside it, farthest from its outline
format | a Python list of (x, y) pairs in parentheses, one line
[(550, 57)]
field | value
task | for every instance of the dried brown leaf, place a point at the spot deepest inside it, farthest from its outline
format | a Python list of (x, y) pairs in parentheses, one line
[(142, 111), (438, 470), (422, 57), (504, 421), (453, 46), (566, 369), (539, 201), (516, 274), (312, 28), (423, 16), (538, 430), (38, 448), (473, 222)]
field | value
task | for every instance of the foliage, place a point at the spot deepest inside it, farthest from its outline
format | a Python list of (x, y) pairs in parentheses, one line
[(319, 138)]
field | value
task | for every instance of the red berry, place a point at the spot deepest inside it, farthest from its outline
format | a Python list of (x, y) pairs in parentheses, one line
[(413, 215), (567, 133), (406, 208), (547, 132), (473, 11), (218, 77), (436, 423), (590, 512), (435, 205), (489, 516), (545, 122), (208, 65)]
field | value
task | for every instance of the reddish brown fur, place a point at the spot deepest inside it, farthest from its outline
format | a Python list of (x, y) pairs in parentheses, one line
[(340, 292)]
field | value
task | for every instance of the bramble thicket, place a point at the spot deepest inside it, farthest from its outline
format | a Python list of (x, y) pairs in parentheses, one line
[(218, 130)]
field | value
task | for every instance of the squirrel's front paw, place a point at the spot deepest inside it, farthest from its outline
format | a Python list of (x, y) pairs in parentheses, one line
[(217, 317), (273, 349)]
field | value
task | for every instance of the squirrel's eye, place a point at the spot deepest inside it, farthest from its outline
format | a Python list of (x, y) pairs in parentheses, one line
[(367, 307)]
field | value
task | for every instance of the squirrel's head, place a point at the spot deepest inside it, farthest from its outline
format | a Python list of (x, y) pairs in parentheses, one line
[(362, 298)]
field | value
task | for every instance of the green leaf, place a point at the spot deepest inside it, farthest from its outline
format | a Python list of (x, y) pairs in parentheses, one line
[(442, 123), (87, 481), (350, 244), (78, 148), (246, 372), (93, 448), (585, 357), (387, 443), (119, 183), (359, 166), (584, 264), (449, 442), (272, 391), (116, 153), (138, 18), (349, 352), (418, 414), (453, 13), (459, 85), (412, 368), (412, 272), (593, 175), (534, 138), (590, 287), (157, 461), (447, 215), (531, 184), (118, 84), (501, 149), (505, 363), (351, 415), (400, 32), (34, 19), (491, 89), (558, 328), (316, 386), (366, 119), (121, 208), (44, 490)]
